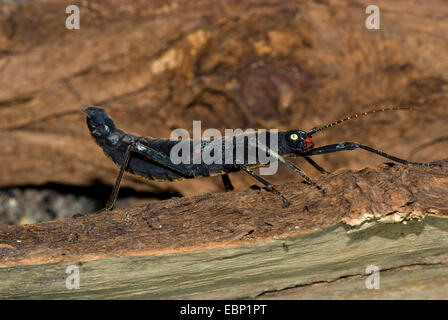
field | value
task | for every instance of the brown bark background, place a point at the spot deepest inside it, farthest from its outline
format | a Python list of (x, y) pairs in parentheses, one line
[(159, 65)]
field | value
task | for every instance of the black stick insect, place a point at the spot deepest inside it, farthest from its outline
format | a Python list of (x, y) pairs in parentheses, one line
[(150, 157)]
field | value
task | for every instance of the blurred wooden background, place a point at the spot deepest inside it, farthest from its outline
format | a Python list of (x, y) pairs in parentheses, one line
[(159, 65)]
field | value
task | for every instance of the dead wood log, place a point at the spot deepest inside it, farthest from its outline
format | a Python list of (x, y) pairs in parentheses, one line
[(245, 244)]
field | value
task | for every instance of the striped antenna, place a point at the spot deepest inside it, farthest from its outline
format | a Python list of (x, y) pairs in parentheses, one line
[(355, 116)]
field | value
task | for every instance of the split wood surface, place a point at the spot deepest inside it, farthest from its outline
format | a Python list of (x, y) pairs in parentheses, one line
[(390, 216)]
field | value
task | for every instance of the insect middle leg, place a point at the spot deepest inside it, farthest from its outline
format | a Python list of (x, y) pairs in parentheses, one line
[(315, 165), (347, 146), (151, 154)]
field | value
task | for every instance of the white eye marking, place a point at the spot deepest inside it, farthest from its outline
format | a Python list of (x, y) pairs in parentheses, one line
[(294, 137), (114, 139)]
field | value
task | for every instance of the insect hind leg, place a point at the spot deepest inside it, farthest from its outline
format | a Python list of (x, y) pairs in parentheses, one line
[(151, 154)]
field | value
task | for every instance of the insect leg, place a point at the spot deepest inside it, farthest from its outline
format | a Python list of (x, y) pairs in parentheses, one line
[(150, 154), (346, 146), (113, 197), (263, 181), (227, 183), (291, 166), (315, 165)]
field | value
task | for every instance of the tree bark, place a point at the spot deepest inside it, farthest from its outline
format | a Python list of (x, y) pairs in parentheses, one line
[(158, 65), (391, 216)]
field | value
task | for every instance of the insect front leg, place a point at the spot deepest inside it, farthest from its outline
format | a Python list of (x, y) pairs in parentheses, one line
[(347, 146), (291, 166), (151, 154), (315, 165), (263, 181)]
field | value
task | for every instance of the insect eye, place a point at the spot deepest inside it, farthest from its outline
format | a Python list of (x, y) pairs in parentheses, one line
[(294, 137)]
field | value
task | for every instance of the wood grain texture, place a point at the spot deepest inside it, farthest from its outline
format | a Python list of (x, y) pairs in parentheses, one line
[(244, 244), (328, 264), (159, 65)]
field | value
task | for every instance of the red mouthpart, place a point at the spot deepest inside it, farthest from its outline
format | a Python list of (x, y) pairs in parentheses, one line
[(309, 144)]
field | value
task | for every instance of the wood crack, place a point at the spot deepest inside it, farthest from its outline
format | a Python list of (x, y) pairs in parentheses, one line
[(342, 278)]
